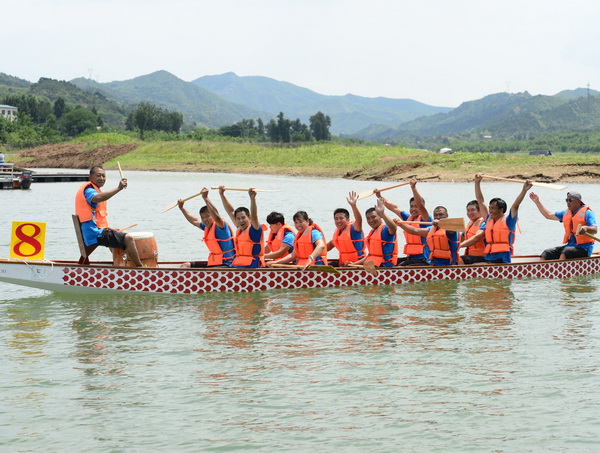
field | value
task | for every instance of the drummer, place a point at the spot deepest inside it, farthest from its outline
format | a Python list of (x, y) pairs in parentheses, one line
[(217, 234), (91, 209), (577, 214)]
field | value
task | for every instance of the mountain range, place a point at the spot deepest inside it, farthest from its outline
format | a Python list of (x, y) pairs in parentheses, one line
[(218, 100)]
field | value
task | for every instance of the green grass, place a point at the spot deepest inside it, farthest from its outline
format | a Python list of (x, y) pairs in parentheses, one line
[(328, 159)]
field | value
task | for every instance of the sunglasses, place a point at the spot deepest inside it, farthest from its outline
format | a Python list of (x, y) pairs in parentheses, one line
[(569, 200)]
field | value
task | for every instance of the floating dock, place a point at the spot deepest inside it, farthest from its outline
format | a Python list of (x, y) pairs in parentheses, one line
[(11, 178)]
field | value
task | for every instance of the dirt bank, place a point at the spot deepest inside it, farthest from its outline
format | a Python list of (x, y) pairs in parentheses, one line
[(69, 155)]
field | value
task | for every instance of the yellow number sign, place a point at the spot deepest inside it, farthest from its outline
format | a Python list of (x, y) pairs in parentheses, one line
[(27, 240)]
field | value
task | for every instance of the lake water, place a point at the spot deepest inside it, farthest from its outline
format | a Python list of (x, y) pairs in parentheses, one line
[(482, 365)]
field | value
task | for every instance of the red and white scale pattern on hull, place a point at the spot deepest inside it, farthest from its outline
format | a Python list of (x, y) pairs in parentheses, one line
[(201, 281)]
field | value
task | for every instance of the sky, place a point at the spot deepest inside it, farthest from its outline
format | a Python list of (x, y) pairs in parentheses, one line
[(438, 52)]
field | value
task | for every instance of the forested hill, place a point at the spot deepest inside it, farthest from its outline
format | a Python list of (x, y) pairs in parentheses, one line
[(502, 115), (348, 113), (166, 90)]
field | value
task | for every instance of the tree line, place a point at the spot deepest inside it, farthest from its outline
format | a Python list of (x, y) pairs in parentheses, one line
[(41, 121), (281, 130)]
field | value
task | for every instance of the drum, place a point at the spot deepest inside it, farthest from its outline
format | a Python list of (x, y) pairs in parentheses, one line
[(146, 247)]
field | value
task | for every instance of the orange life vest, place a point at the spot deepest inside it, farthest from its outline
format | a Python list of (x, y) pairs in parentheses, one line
[(243, 248), (375, 244), (303, 245), (85, 212), (343, 241), (497, 236), (215, 257), (414, 243), (570, 222), (438, 244), (275, 240), (477, 249)]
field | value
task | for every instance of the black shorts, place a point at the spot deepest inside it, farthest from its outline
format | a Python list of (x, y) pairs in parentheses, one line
[(569, 251), (113, 239), (414, 262), (470, 259)]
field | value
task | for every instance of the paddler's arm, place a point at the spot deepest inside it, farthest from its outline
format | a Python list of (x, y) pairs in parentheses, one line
[(288, 259), (419, 200), (380, 210), (254, 210), (330, 246), (229, 209), (473, 240), (543, 210), (319, 248), (212, 209), (189, 217), (411, 229), (388, 204), (283, 250), (514, 209), (352, 199), (479, 196), (104, 196)]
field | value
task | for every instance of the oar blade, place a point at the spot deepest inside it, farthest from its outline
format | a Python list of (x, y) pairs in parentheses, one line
[(453, 224), (169, 207), (365, 194), (549, 185), (323, 268)]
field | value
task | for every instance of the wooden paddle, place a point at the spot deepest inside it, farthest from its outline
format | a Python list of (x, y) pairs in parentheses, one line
[(369, 266), (130, 226), (246, 190), (596, 238), (450, 224), (172, 205), (537, 184), (120, 172), (372, 192), (314, 267)]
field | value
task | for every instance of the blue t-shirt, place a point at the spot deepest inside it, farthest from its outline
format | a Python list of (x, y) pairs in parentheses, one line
[(224, 233), (359, 243), (314, 237), (89, 230), (255, 236), (426, 252), (590, 220), (288, 239), (511, 224)]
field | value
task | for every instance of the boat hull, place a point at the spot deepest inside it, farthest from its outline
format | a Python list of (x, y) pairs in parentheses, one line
[(63, 276)]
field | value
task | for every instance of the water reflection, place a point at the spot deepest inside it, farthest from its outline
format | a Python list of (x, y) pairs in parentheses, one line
[(578, 299)]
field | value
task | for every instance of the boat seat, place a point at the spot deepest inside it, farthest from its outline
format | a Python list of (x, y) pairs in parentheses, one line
[(84, 250)]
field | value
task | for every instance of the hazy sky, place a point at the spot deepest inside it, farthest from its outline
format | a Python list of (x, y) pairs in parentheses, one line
[(437, 52)]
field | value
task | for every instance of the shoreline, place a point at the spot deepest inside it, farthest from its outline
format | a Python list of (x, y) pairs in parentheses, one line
[(365, 162)]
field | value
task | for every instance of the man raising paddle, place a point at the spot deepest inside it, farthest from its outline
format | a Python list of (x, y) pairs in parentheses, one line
[(217, 234), (249, 240), (500, 226)]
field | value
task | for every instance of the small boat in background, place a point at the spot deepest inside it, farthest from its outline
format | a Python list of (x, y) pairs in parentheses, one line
[(14, 178)]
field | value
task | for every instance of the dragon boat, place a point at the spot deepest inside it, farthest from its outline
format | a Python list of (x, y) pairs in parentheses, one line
[(169, 278)]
